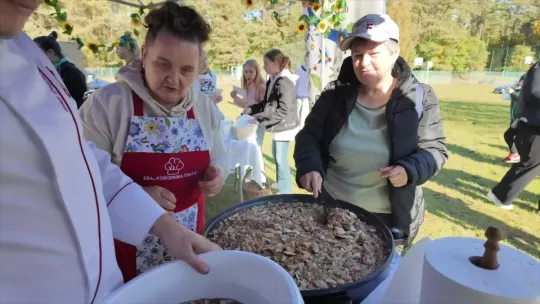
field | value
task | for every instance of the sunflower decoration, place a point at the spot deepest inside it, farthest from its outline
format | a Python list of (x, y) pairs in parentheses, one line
[(248, 3), (67, 27), (316, 7), (93, 46), (322, 26), (301, 27)]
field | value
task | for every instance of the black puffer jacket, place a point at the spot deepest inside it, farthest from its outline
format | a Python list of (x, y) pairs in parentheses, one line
[(418, 145), (74, 80), (278, 111), (528, 105)]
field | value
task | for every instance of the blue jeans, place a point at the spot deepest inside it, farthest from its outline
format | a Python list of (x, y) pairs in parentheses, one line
[(280, 151), (260, 135)]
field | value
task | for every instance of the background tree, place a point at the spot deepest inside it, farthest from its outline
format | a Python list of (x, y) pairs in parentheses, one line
[(401, 12), (517, 60), (459, 35)]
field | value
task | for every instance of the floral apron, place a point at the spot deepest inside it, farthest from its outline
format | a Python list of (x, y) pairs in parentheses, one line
[(172, 153)]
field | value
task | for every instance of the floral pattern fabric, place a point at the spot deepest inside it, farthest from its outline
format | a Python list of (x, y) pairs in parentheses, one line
[(152, 253), (164, 135)]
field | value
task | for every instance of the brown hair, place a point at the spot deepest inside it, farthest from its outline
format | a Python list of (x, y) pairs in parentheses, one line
[(277, 56), (183, 22)]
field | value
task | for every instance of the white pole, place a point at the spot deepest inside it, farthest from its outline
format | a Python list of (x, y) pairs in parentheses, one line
[(323, 63)]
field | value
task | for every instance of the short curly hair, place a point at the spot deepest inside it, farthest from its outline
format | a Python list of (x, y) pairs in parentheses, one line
[(183, 22)]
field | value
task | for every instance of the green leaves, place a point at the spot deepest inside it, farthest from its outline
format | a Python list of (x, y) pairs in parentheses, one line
[(79, 42), (316, 81), (350, 27), (281, 34), (313, 20), (327, 33)]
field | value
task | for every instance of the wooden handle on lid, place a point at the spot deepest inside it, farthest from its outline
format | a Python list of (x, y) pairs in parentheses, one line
[(490, 259)]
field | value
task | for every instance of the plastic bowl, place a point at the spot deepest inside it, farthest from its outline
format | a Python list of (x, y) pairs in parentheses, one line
[(242, 276)]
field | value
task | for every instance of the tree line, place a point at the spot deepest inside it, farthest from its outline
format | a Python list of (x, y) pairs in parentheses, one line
[(458, 35)]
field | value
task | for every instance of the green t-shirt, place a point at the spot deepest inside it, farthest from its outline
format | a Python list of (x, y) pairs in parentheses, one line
[(357, 152)]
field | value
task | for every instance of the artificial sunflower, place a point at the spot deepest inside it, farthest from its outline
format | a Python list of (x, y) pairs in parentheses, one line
[(316, 7), (135, 22), (248, 3), (322, 26), (67, 27), (301, 27), (93, 46)]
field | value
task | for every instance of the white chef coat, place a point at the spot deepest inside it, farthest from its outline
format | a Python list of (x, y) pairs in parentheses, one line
[(61, 199)]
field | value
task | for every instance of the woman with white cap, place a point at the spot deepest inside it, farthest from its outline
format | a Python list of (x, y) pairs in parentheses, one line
[(375, 135)]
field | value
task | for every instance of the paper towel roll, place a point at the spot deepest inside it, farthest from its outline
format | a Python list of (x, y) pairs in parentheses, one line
[(449, 277)]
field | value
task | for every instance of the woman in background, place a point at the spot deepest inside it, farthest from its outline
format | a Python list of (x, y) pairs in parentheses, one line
[(253, 83), (278, 113), (208, 80), (72, 77), (207, 83), (127, 49)]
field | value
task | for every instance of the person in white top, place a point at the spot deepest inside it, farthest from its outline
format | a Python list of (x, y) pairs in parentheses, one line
[(255, 88), (61, 199)]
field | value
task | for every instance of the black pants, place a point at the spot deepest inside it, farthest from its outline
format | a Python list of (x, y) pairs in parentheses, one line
[(521, 174), (509, 138)]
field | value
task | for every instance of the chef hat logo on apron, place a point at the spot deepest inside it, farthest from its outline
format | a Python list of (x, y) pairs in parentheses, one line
[(173, 166)]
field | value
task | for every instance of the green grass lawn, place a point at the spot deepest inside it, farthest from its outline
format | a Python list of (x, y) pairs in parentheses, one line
[(474, 122)]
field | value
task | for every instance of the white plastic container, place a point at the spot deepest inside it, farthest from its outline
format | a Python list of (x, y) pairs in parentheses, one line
[(242, 276), (243, 130)]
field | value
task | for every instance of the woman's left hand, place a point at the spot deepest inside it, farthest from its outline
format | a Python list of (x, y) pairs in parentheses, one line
[(213, 181), (396, 174), (253, 122)]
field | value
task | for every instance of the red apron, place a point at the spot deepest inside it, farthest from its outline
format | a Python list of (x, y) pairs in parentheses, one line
[(172, 153)]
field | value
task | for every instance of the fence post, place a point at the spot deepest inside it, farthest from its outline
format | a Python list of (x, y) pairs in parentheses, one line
[(505, 59)]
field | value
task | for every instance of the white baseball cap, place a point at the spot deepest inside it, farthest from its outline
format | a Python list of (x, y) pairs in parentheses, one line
[(374, 27)]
